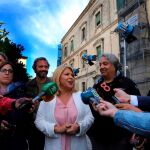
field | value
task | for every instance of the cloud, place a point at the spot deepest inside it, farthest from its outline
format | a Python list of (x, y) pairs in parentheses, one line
[(49, 25), (46, 20), (19, 2), (39, 25), (42, 26)]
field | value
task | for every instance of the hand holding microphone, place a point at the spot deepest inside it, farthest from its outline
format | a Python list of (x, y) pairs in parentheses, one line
[(106, 109), (90, 96), (48, 90)]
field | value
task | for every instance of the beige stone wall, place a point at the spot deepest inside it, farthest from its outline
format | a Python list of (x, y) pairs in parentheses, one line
[(94, 36)]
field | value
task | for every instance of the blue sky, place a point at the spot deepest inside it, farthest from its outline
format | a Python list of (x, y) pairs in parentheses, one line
[(39, 25)]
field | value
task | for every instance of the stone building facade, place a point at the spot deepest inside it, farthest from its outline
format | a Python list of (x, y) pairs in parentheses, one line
[(92, 32)]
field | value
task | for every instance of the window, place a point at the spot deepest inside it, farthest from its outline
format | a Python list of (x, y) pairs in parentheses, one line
[(72, 46), (98, 18), (83, 34), (99, 51), (120, 4), (99, 47), (83, 86), (65, 52), (83, 31)]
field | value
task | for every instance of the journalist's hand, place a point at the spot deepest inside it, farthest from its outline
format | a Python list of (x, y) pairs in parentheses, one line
[(122, 96), (106, 109), (24, 101), (125, 106), (4, 125), (1, 96)]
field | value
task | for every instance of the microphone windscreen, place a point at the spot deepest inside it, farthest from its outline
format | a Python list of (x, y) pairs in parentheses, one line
[(90, 96), (50, 88)]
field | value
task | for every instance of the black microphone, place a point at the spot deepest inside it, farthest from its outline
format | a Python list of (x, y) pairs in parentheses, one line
[(115, 99), (90, 96)]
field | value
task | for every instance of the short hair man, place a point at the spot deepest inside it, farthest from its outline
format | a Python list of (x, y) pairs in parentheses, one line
[(40, 67), (34, 87)]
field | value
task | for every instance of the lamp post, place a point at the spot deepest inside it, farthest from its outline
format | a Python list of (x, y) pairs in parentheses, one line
[(129, 33), (123, 45)]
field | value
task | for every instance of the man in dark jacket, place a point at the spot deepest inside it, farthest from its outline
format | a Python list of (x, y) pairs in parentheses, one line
[(33, 88)]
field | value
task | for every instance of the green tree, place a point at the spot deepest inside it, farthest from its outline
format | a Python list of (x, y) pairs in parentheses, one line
[(3, 32), (14, 51)]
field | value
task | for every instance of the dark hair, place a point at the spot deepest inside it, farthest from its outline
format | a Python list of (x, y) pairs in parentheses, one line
[(6, 63), (38, 59), (3, 55)]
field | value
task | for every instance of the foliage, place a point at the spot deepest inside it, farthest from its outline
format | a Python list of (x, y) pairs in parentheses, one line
[(20, 73), (14, 51), (3, 32)]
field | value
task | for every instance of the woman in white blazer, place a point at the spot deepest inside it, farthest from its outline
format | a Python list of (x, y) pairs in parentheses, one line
[(65, 119)]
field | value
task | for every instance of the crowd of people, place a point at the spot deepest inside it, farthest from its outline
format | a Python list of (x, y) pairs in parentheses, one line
[(63, 121)]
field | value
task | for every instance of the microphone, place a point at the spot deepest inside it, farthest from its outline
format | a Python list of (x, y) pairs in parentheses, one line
[(90, 96), (115, 99), (48, 89), (12, 87)]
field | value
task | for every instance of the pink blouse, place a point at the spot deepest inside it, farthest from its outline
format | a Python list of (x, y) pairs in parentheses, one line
[(65, 114)]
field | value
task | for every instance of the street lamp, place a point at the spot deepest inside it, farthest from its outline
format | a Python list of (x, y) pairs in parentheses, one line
[(123, 46), (128, 34)]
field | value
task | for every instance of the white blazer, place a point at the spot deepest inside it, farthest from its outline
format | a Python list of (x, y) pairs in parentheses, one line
[(45, 122)]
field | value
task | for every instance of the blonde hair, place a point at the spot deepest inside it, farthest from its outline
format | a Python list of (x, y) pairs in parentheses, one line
[(56, 76)]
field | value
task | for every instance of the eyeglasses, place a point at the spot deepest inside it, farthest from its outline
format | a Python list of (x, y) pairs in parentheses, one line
[(5, 70)]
